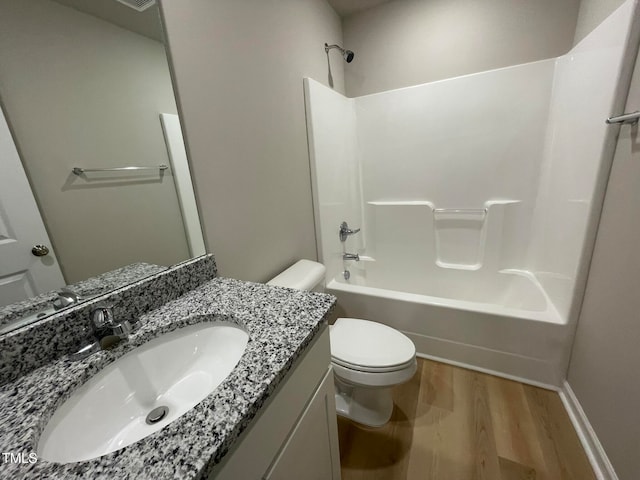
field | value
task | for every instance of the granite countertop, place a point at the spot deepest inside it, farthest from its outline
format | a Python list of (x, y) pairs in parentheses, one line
[(281, 323)]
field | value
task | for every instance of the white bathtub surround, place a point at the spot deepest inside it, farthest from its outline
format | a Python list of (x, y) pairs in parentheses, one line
[(335, 169), (478, 198), (590, 84), (445, 238)]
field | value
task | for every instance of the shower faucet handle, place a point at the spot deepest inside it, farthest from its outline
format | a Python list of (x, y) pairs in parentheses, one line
[(345, 231)]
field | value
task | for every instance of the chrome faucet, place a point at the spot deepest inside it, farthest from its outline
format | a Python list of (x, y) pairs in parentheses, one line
[(345, 231), (107, 332), (351, 256)]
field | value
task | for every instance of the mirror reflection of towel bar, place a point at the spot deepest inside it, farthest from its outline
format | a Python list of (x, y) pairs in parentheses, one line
[(80, 171)]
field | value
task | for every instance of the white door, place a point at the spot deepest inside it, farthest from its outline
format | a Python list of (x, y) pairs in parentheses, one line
[(22, 274)]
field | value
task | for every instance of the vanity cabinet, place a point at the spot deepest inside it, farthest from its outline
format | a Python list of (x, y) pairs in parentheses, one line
[(309, 451), (295, 434)]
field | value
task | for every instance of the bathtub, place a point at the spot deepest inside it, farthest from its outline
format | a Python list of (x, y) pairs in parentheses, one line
[(501, 322)]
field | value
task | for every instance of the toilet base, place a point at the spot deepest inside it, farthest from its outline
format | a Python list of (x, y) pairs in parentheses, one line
[(370, 406)]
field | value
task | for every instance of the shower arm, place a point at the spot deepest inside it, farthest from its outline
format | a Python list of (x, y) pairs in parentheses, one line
[(346, 54), (328, 47)]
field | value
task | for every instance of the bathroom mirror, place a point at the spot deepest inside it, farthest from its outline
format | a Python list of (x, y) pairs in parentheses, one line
[(83, 85)]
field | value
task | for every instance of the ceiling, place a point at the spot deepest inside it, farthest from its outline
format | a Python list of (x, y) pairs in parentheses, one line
[(145, 23), (347, 7)]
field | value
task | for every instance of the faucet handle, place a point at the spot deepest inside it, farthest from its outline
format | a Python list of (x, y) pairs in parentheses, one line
[(101, 317), (65, 297), (123, 329), (345, 231)]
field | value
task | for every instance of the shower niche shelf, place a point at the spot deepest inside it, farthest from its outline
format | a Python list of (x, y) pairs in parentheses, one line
[(460, 237)]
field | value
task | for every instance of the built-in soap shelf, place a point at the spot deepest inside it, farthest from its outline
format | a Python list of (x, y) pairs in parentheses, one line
[(401, 203), (460, 236), (473, 214)]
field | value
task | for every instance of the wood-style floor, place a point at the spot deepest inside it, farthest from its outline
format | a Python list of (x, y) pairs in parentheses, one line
[(450, 423)]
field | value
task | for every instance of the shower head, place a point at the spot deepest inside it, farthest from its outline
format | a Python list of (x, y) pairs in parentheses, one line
[(346, 54)]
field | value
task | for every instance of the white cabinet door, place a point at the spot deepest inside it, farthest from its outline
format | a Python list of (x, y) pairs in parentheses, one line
[(22, 274), (311, 451)]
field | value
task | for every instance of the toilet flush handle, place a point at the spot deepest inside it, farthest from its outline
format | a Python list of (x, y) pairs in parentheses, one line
[(345, 231)]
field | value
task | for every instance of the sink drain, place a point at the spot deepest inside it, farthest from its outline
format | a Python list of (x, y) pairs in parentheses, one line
[(157, 414)]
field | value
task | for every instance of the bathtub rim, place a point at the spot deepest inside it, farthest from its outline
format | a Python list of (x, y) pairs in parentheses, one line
[(550, 315)]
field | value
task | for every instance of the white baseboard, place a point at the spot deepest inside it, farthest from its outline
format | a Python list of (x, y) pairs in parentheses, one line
[(488, 371), (533, 371), (595, 452)]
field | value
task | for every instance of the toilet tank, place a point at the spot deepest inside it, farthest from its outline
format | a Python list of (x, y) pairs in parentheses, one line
[(302, 275)]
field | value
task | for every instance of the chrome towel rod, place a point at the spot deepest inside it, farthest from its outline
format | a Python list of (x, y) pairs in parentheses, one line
[(624, 118), (80, 171)]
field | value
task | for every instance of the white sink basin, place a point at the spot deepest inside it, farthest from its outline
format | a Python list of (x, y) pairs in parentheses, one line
[(109, 412)]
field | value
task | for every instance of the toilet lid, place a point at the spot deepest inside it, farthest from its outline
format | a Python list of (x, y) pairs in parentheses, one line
[(369, 345)]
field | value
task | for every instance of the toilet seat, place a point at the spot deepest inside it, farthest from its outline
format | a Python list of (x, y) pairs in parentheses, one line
[(374, 379), (371, 354), (361, 368), (370, 346)]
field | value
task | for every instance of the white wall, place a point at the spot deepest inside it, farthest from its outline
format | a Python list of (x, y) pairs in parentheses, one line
[(410, 42), (238, 68), (79, 91), (591, 14)]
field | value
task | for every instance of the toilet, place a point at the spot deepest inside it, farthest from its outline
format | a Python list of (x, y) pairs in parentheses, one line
[(368, 358)]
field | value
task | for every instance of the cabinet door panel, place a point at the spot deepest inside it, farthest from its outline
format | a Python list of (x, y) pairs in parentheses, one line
[(311, 451)]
